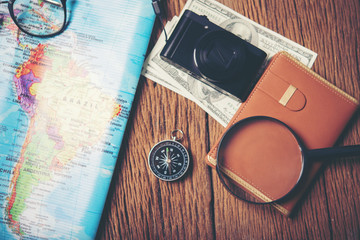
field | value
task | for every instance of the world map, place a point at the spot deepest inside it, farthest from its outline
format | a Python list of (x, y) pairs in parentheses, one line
[(64, 104)]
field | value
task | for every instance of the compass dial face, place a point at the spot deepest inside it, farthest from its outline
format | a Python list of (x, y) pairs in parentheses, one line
[(168, 160)]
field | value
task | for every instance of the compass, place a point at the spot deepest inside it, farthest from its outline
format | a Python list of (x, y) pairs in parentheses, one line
[(169, 159)]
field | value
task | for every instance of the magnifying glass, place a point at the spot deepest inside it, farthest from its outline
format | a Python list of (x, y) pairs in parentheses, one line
[(262, 160)]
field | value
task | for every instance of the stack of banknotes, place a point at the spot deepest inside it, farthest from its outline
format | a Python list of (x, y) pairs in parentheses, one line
[(218, 105)]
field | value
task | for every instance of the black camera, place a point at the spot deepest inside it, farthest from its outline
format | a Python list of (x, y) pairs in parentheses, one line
[(213, 55)]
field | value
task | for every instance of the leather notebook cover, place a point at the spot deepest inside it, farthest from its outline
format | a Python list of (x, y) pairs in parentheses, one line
[(292, 93)]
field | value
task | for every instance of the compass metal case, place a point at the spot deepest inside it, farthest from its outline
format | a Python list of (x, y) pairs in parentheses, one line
[(169, 160)]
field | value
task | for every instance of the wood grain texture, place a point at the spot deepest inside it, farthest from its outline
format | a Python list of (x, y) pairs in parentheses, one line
[(140, 206)]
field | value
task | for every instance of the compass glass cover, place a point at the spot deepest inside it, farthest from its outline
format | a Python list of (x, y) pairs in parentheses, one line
[(169, 160)]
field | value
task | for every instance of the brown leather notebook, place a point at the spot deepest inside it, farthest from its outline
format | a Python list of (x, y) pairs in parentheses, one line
[(292, 93)]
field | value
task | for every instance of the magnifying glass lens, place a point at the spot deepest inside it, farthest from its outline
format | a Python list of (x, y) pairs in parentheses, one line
[(262, 157)]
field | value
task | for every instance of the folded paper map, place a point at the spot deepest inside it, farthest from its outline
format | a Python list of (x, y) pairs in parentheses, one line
[(64, 104)]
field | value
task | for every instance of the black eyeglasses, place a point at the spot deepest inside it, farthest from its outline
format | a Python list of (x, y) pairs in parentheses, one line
[(39, 18)]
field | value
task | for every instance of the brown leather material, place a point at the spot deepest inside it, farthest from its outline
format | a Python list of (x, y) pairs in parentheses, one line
[(317, 111), (278, 88)]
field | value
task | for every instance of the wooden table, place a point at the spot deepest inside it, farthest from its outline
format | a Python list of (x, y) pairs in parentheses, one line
[(140, 206)]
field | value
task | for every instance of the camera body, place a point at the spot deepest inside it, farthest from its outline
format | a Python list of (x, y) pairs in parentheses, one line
[(213, 55)]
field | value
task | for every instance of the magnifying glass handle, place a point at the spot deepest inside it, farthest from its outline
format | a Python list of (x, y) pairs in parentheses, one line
[(334, 152)]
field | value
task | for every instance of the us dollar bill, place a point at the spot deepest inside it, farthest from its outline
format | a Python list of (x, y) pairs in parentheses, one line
[(218, 105)]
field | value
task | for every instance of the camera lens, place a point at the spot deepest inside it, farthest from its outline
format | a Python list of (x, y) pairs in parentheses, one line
[(220, 56)]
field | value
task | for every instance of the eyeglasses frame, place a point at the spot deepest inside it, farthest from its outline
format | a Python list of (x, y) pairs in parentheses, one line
[(11, 11)]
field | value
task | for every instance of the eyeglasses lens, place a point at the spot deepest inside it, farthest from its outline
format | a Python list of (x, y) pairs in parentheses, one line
[(39, 17)]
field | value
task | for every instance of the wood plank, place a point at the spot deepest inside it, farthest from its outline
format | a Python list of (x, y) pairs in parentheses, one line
[(342, 178), (140, 206)]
